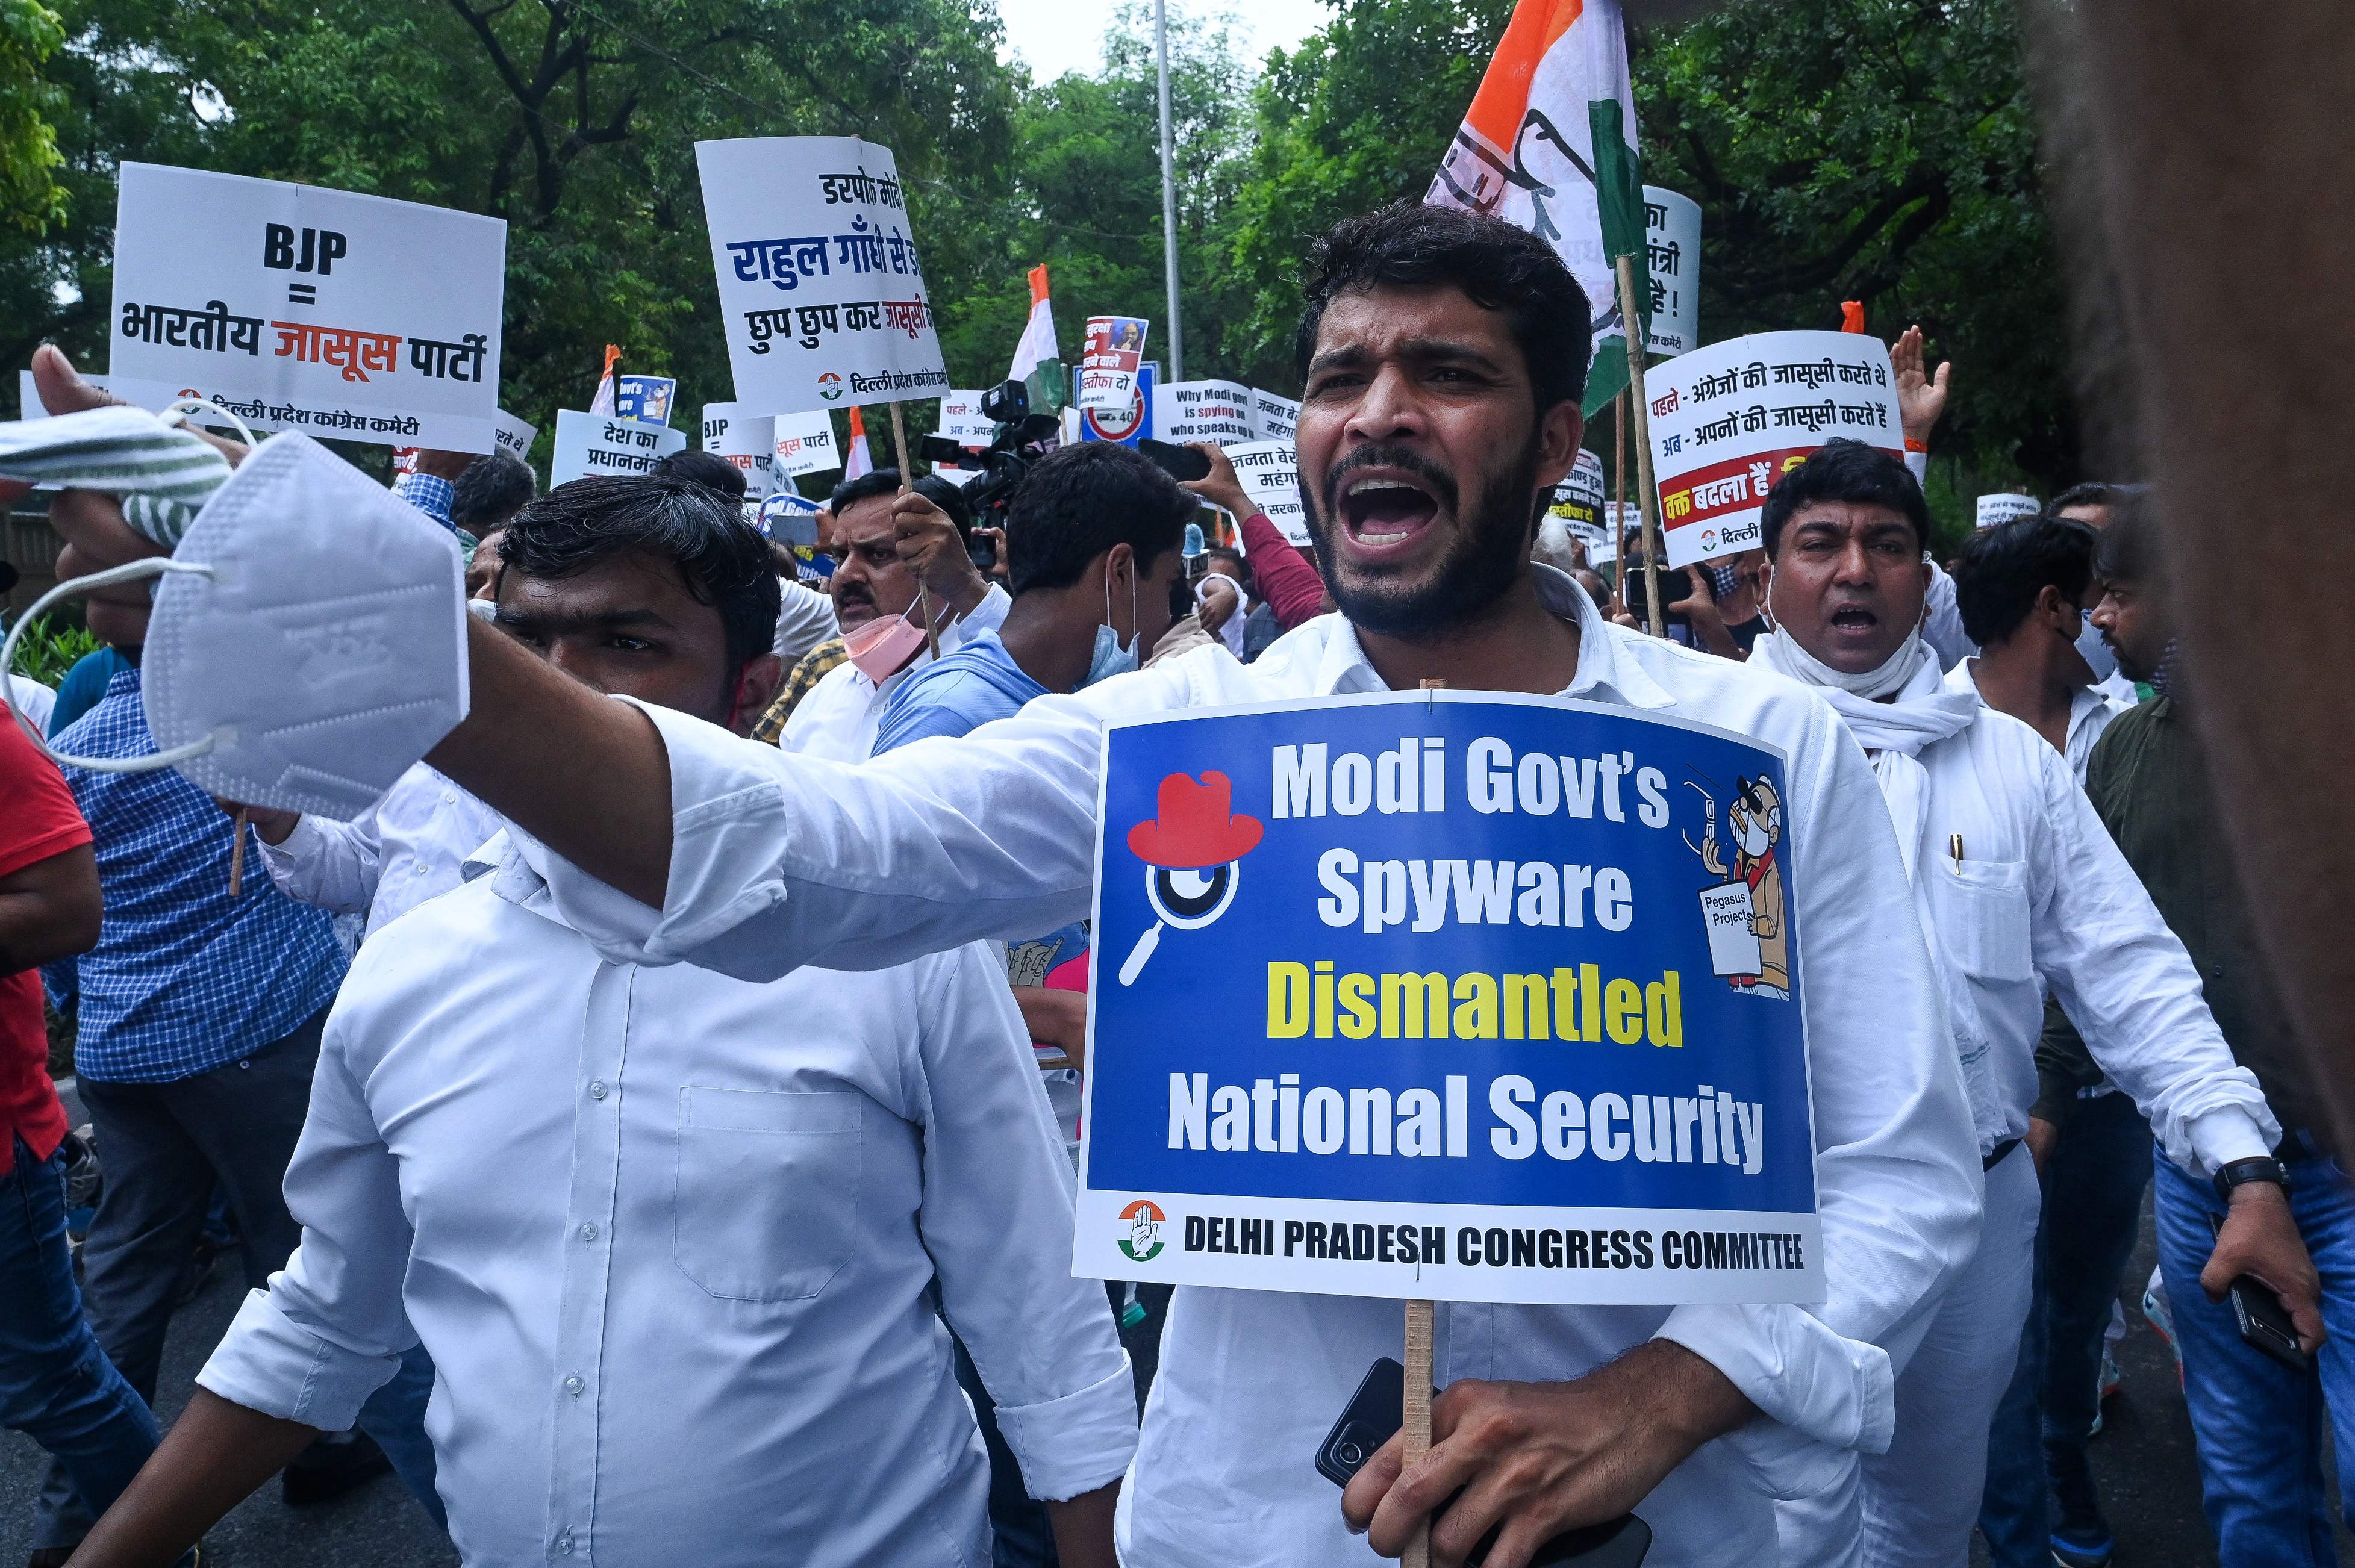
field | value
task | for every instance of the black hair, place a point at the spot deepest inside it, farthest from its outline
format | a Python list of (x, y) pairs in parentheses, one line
[(1408, 245), (490, 489), (1080, 501), (2127, 550), (886, 481), (1235, 558), (708, 470), (1843, 470), (2093, 492), (723, 559), (2002, 570)]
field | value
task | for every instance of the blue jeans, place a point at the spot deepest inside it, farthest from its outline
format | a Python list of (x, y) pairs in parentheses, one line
[(55, 1384), (2258, 1423), (2097, 1171), (395, 1417)]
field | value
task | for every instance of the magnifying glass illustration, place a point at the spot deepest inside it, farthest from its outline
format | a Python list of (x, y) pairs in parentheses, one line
[(1192, 849)]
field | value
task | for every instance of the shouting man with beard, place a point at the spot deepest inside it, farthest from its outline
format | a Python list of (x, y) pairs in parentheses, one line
[(1444, 356)]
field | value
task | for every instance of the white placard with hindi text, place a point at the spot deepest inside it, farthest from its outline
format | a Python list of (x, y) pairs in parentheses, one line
[(1729, 419), (962, 419), (2009, 507), (1218, 412), (1273, 418), (821, 293), (1267, 470), (746, 441), (1672, 240), (513, 435), (349, 317), (803, 443), (597, 446)]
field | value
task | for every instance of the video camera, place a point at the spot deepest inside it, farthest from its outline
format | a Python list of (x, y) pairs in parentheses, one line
[(1005, 461)]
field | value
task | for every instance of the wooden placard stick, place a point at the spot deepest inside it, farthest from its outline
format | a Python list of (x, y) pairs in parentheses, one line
[(1415, 1428), (236, 854), (906, 484), (1647, 497), (1619, 501)]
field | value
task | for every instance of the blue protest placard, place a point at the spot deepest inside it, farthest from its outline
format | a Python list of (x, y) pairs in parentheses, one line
[(1475, 998), (644, 398)]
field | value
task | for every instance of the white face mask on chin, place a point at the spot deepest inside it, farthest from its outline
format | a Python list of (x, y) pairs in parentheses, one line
[(308, 642)]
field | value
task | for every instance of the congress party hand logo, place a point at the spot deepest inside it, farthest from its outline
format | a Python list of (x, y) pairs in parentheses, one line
[(1192, 848)]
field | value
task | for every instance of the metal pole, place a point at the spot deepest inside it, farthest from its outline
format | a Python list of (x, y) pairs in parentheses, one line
[(1168, 198)]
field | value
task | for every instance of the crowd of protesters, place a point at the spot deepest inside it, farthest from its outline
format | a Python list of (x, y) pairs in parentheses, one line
[(728, 1221)]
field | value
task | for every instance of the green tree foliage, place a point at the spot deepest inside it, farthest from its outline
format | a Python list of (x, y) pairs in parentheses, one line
[(31, 201), (1880, 150)]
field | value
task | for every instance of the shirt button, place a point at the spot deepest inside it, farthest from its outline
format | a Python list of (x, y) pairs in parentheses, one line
[(573, 1385), (597, 1089), (564, 1544), (589, 1232)]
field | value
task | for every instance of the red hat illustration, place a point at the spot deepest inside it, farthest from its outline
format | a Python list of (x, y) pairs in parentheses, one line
[(1194, 829)]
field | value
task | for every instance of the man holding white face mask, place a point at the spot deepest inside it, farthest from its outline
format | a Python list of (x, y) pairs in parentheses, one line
[(901, 560), (2014, 877)]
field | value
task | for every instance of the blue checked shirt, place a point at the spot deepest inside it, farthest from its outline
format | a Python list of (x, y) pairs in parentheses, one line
[(429, 494), (183, 980)]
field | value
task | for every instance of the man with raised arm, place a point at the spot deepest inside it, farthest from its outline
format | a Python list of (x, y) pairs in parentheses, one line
[(1442, 357)]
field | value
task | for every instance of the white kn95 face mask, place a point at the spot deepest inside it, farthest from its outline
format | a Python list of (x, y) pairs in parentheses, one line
[(323, 649), (308, 640)]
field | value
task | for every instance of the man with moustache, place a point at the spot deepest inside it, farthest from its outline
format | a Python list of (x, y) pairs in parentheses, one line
[(890, 546), (1442, 357), (2014, 880)]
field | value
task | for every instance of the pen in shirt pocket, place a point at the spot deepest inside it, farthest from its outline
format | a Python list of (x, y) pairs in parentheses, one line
[(1954, 848)]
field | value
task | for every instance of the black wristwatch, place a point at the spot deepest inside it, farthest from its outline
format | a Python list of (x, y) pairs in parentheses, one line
[(2240, 1172)]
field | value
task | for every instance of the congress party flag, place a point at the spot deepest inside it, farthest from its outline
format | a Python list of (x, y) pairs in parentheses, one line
[(1037, 359), (1548, 145)]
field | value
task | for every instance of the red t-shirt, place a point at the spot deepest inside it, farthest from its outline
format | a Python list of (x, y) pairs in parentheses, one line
[(39, 819)]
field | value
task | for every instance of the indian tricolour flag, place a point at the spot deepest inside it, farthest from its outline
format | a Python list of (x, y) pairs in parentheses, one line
[(1038, 361), (1548, 145), (857, 463)]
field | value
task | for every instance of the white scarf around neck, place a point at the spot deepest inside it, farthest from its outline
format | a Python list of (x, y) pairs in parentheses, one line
[(1918, 711)]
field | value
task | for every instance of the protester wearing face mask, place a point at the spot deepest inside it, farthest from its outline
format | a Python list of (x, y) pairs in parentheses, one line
[(2014, 878), (903, 559), (721, 1208), (2023, 589), (2095, 504)]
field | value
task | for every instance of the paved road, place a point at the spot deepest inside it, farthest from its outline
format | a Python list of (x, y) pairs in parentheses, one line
[(2144, 1461)]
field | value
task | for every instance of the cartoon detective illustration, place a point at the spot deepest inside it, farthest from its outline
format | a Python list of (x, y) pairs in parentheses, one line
[(1192, 848), (1747, 942)]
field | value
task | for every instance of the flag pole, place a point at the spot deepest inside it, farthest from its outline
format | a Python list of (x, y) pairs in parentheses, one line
[(1648, 496), (907, 486), (1169, 198), (1414, 1424)]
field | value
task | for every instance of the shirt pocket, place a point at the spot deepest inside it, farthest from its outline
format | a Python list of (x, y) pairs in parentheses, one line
[(766, 1203), (1981, 909)]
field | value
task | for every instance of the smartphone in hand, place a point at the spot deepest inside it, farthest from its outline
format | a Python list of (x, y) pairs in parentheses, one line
[(2264, 1323), (1180, 463), (1373, 1417)]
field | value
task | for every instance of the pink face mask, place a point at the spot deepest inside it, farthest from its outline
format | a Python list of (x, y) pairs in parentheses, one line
[(883, 646)]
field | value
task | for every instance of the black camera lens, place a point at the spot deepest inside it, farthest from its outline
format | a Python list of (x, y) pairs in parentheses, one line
[(1349, 1453)]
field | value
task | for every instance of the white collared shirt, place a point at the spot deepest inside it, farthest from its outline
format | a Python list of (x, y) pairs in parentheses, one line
[(839, 718), (2090, 714), (778, 860), (805, 619), (670, 1239), (407, 848), (2041, 896)]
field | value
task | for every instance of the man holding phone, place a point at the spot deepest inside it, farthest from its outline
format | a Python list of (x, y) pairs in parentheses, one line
[(2252, 1404)]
